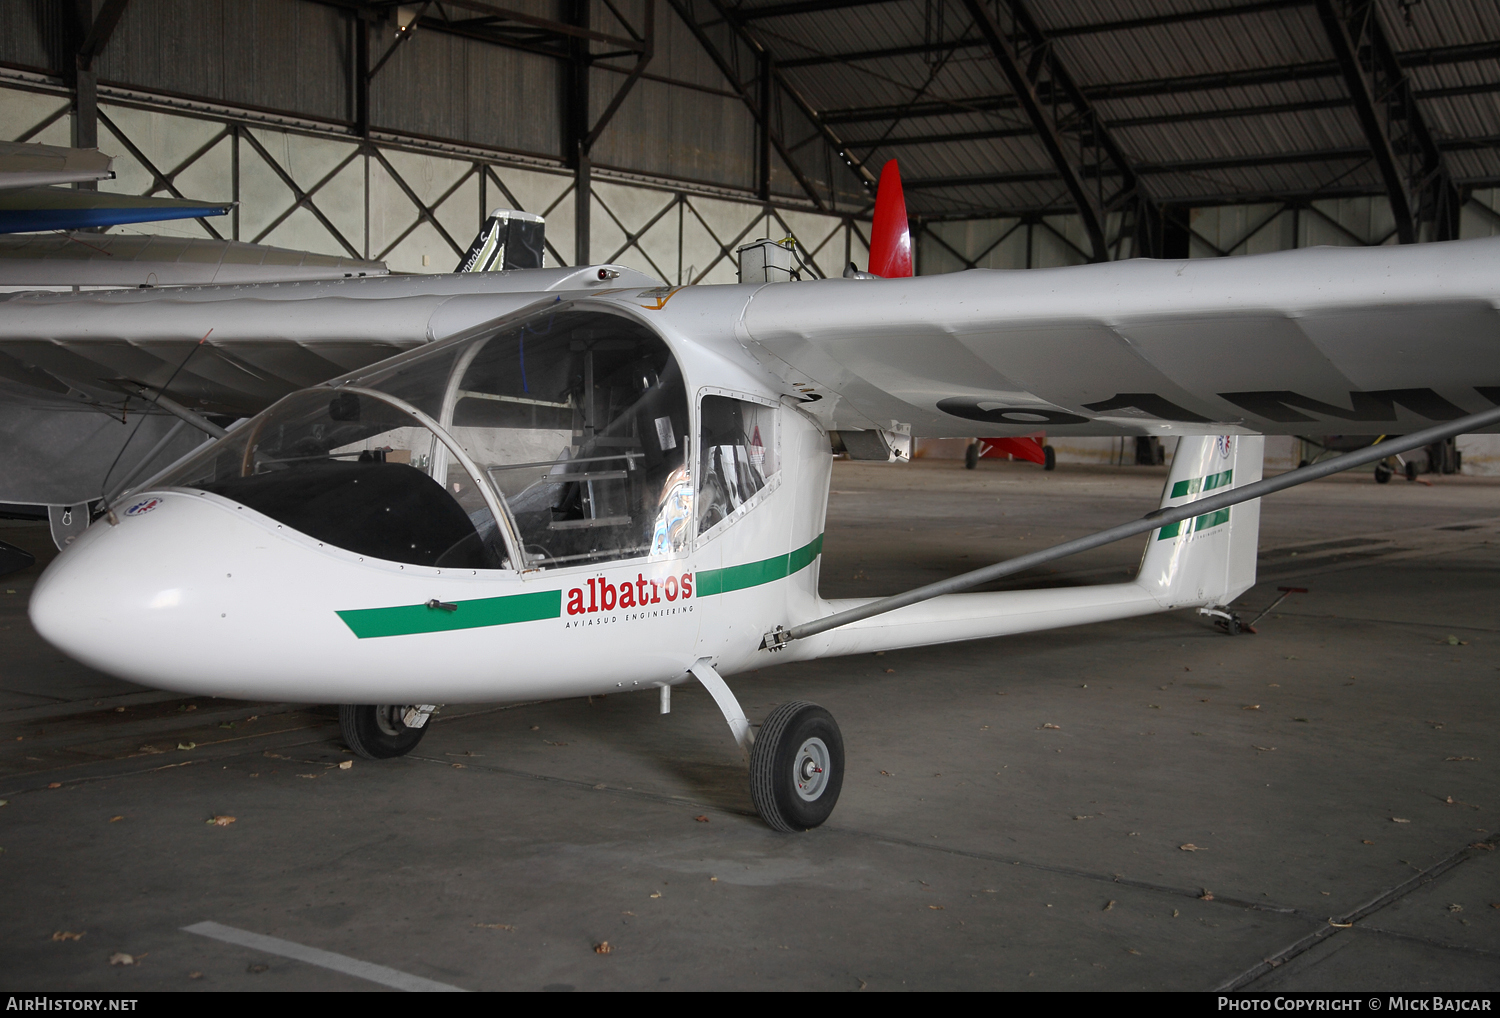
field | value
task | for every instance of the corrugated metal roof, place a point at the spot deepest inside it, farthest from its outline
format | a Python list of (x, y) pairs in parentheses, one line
[(1209, 100)]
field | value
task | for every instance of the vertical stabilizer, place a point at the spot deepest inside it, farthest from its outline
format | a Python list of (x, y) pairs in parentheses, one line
[(890, 233), (1208, 559), (509, 239)]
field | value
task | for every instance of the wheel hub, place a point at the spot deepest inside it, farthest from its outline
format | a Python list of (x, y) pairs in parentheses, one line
[(388, 718), (810, 769)]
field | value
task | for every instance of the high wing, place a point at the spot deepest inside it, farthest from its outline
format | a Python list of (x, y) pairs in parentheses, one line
[(1357, 340)]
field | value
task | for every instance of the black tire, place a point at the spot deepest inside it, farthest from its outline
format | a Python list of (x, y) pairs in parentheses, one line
[(1049, 458), (794, 739), (1411, 470), (971, 456), (1383, 473), (375, 732)]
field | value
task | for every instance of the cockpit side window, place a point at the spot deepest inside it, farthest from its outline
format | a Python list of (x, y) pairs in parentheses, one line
[(737, 455), (580, 420)]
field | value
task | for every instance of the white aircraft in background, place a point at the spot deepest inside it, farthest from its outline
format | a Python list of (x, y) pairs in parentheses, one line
[(616, 485)]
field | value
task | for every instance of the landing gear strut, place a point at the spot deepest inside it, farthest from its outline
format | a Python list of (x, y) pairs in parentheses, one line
[(380, 731), (796, 760)]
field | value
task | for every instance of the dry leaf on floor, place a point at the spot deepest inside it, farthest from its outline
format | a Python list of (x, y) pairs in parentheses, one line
[(113, 819), (1399, 820), (598, 788), (1340, 926), (888, 774), (656, 894), (1455, 908), (68, 935), (701, 819), (602, 947), (1108, 906), (187, 745), (1084, 817), (536, 728), (1189, 847), (713, 880), (1253, 706), (936, 908), (457, 766), (55, 784), (1265, 749), (1207, 895), (307, 775), (551, 743), (344, 765), (1174, 913), (494, 926), (221, 821), (1059, 727), (195, 975), (150, 749), (120, 958), (890, 671), (1455, 759), (1367, 842)]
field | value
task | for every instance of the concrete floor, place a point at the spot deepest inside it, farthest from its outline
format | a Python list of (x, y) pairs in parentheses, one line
[(975, 847)]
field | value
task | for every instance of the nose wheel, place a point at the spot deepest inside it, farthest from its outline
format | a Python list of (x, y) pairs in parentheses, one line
[(797, 767), (376, 731)]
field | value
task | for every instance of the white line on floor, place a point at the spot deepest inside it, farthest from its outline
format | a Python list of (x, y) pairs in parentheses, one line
[(325, 959)]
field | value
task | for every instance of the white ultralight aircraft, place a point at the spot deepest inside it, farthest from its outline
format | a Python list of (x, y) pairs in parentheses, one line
[(611, 487)]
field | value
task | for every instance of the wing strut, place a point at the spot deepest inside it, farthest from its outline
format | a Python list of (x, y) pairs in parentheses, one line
[(1151, 521)]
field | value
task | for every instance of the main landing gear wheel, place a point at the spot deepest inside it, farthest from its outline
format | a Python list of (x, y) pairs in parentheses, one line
[(971, 456), (1383, 473), (1049, 458), (797, 767), (375, 731)]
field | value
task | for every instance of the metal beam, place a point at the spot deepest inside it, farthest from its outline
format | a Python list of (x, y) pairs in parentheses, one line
[(802, 7), (1346, 24), (1429, 177), (761, 115), (1069, 128), (1096, 28), (834, 142), (1169, 86)]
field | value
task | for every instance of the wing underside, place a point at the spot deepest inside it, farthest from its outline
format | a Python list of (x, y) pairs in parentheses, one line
[(1358, 341)]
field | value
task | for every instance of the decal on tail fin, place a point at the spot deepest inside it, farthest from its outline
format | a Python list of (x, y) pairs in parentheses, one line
[(890, 235), (1208, 559)]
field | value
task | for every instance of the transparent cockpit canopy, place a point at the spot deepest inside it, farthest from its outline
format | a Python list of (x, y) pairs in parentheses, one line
[(351, 470), (574, 422)]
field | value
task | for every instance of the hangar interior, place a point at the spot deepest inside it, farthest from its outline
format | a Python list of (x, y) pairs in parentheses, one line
[(1126, 844)]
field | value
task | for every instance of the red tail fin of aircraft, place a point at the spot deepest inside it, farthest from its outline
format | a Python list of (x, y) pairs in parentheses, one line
[(890, 236)]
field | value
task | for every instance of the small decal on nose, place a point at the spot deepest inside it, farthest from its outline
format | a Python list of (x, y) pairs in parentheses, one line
[(141, 508)]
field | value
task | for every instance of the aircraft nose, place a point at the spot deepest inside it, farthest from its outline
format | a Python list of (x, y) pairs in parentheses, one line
[(138, 599)]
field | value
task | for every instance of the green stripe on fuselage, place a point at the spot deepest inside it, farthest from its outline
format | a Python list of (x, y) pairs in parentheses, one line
[(753, 574), (407, 619), (1197, 484)]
